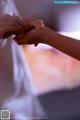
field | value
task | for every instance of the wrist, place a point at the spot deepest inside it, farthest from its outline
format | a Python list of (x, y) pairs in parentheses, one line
[(46, 36), (43, 35)]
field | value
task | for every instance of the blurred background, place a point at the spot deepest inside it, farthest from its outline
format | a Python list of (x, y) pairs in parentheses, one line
[(54, 76)]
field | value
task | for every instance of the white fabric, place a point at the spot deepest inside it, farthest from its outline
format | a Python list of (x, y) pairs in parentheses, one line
[(16, 88)]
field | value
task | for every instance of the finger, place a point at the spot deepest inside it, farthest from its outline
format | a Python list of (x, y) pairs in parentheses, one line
[(27, 26), (17, 20), (38, 23), (4, 27), (30, 38), (29, 19), (10, 30), (5, 18)]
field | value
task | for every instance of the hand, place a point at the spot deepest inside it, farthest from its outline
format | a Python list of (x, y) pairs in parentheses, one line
[(34, 36), (38, 35), (13, 25)]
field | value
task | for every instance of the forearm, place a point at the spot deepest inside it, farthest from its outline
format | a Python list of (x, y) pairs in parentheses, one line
[(65, 44)]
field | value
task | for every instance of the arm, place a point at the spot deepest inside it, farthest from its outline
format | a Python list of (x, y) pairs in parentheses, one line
[(45, 35), (65, 44)]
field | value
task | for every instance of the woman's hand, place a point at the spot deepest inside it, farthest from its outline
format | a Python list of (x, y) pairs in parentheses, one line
[(38, 35), (13, 25)]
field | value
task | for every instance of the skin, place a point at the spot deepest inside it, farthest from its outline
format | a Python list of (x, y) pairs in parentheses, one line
[(51, 69), (45, 35), (13, 25), (28, 32)]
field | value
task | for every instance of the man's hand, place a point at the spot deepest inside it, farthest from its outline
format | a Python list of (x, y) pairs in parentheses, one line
[(13, 25)]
